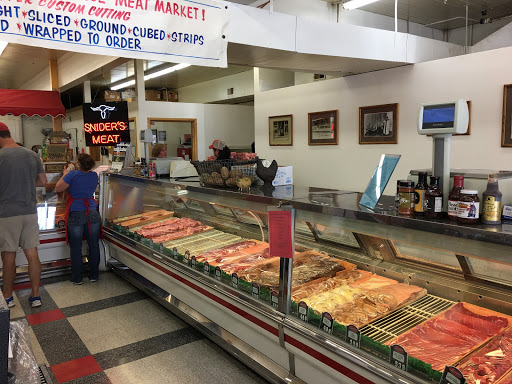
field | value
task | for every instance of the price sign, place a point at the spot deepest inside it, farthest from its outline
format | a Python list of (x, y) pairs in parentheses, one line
[(234, 280), (186, 257), (218, 273), (255, 291), (326, 324), (138, 237), (193, 261), (452, 375), (274, 299), (280, 234), (161, 247), (353, 336), (303, 311), (206, 268), (398, 357), (175, 253), (131, 235)]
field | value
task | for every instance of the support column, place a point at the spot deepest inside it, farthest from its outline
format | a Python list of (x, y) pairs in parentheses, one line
[(140, 92), (54, 82), (93, 151)]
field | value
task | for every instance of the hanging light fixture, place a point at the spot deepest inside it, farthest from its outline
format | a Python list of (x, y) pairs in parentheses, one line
[(353, 4)]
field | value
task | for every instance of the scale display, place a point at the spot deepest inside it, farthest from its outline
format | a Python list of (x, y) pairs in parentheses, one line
[(439, 116)]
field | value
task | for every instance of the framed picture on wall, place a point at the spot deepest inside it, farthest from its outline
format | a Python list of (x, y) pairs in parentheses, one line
[(280, 130), (378, 124), (162, 136), (506, 129), (323, 128)]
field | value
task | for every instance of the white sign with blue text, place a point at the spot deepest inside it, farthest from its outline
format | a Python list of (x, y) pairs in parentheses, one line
[(178, 31)]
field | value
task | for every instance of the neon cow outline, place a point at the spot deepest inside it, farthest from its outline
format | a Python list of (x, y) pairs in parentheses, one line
[(104, 110)]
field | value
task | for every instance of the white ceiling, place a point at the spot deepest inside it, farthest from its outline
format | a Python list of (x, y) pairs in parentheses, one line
[(20, 63), (434, 13)]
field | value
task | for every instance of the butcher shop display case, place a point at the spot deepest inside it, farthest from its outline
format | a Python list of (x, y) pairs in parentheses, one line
[(370, 297)]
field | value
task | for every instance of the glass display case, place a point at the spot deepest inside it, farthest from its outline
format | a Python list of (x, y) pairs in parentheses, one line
[(369, 298)]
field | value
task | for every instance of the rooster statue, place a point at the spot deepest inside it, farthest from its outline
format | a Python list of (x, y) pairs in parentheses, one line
[(267, 174)]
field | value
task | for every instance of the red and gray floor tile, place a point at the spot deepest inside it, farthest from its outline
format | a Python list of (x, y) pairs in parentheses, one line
[(108, 332)]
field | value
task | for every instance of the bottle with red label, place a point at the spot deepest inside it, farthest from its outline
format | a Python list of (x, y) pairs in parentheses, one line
[(453, 199)]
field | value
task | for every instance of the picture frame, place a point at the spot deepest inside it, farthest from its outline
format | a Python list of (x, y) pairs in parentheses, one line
[(280, 130), (323, 128), (506, 127), (162, 136), (378, 124)]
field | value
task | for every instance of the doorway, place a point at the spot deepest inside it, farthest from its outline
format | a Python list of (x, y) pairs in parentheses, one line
[(178, 135)]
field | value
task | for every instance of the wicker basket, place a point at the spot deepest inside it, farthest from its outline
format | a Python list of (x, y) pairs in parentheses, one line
[(225, 173)]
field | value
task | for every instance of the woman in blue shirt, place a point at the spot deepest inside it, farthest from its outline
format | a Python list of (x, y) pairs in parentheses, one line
[(82, 216)]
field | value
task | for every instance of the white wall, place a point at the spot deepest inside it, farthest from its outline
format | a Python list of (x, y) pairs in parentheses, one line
[(75, 119), (174, 131), (15, 127), (274, 78), (350, 165), (32, 126), (231, 123), (215, 90)]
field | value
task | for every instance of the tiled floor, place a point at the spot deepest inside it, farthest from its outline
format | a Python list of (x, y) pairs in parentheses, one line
[(109, 332)]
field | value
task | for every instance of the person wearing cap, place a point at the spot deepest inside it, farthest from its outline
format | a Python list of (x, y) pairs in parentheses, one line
[(159, 150), (220, 150), (21, 171)]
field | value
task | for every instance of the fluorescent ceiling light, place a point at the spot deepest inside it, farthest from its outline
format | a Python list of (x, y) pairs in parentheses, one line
[(353, 4), (123, 85), (166, 71), (3, 44), (151, 76)]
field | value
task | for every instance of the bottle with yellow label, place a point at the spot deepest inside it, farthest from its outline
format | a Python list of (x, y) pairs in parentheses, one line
[(491, 202)]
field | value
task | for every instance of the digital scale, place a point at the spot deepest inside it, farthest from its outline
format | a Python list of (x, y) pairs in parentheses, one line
[(442, 121)]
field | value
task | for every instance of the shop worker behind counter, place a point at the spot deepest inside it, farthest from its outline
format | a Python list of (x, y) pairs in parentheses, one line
[(220, 150), (159, 150), (21, 171), (82, 216)]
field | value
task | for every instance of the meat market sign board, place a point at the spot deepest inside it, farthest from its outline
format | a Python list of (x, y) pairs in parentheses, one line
[(106, 124), (178, 31)]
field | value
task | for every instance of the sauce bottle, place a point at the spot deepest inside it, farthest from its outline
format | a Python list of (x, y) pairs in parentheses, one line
[(453, 199), (491, 202), (419, 194), (397, 198), (406, 198), (434, 198), (468, 207)]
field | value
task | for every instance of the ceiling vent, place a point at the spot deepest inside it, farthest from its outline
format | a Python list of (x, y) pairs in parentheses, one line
[(318, 76), (230, 91)]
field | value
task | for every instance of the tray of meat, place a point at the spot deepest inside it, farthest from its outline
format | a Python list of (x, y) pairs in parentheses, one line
[(491, 362), (325, 284), (307, 266), (218, 254), (448, 337), (143, 218), (167, 227), (180, 234)]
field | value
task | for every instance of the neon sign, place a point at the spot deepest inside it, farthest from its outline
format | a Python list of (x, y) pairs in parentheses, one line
[(106, 124)]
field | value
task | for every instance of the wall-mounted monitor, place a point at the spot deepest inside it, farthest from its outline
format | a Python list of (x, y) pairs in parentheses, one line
[(436, 118)]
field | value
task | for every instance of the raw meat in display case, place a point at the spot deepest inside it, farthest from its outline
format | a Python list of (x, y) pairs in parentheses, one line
[(490, 363), (447, 338)]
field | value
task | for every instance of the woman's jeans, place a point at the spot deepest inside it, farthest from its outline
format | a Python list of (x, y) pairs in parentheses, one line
[(77, 228)]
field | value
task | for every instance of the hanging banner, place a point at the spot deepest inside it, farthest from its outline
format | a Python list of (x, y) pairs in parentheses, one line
[(178, 31), (106, 124)]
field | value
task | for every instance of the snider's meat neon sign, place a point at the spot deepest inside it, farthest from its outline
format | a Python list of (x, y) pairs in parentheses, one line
[(100, 132)]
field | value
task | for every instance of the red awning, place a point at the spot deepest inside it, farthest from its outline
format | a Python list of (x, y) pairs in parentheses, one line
[(20, 102)]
